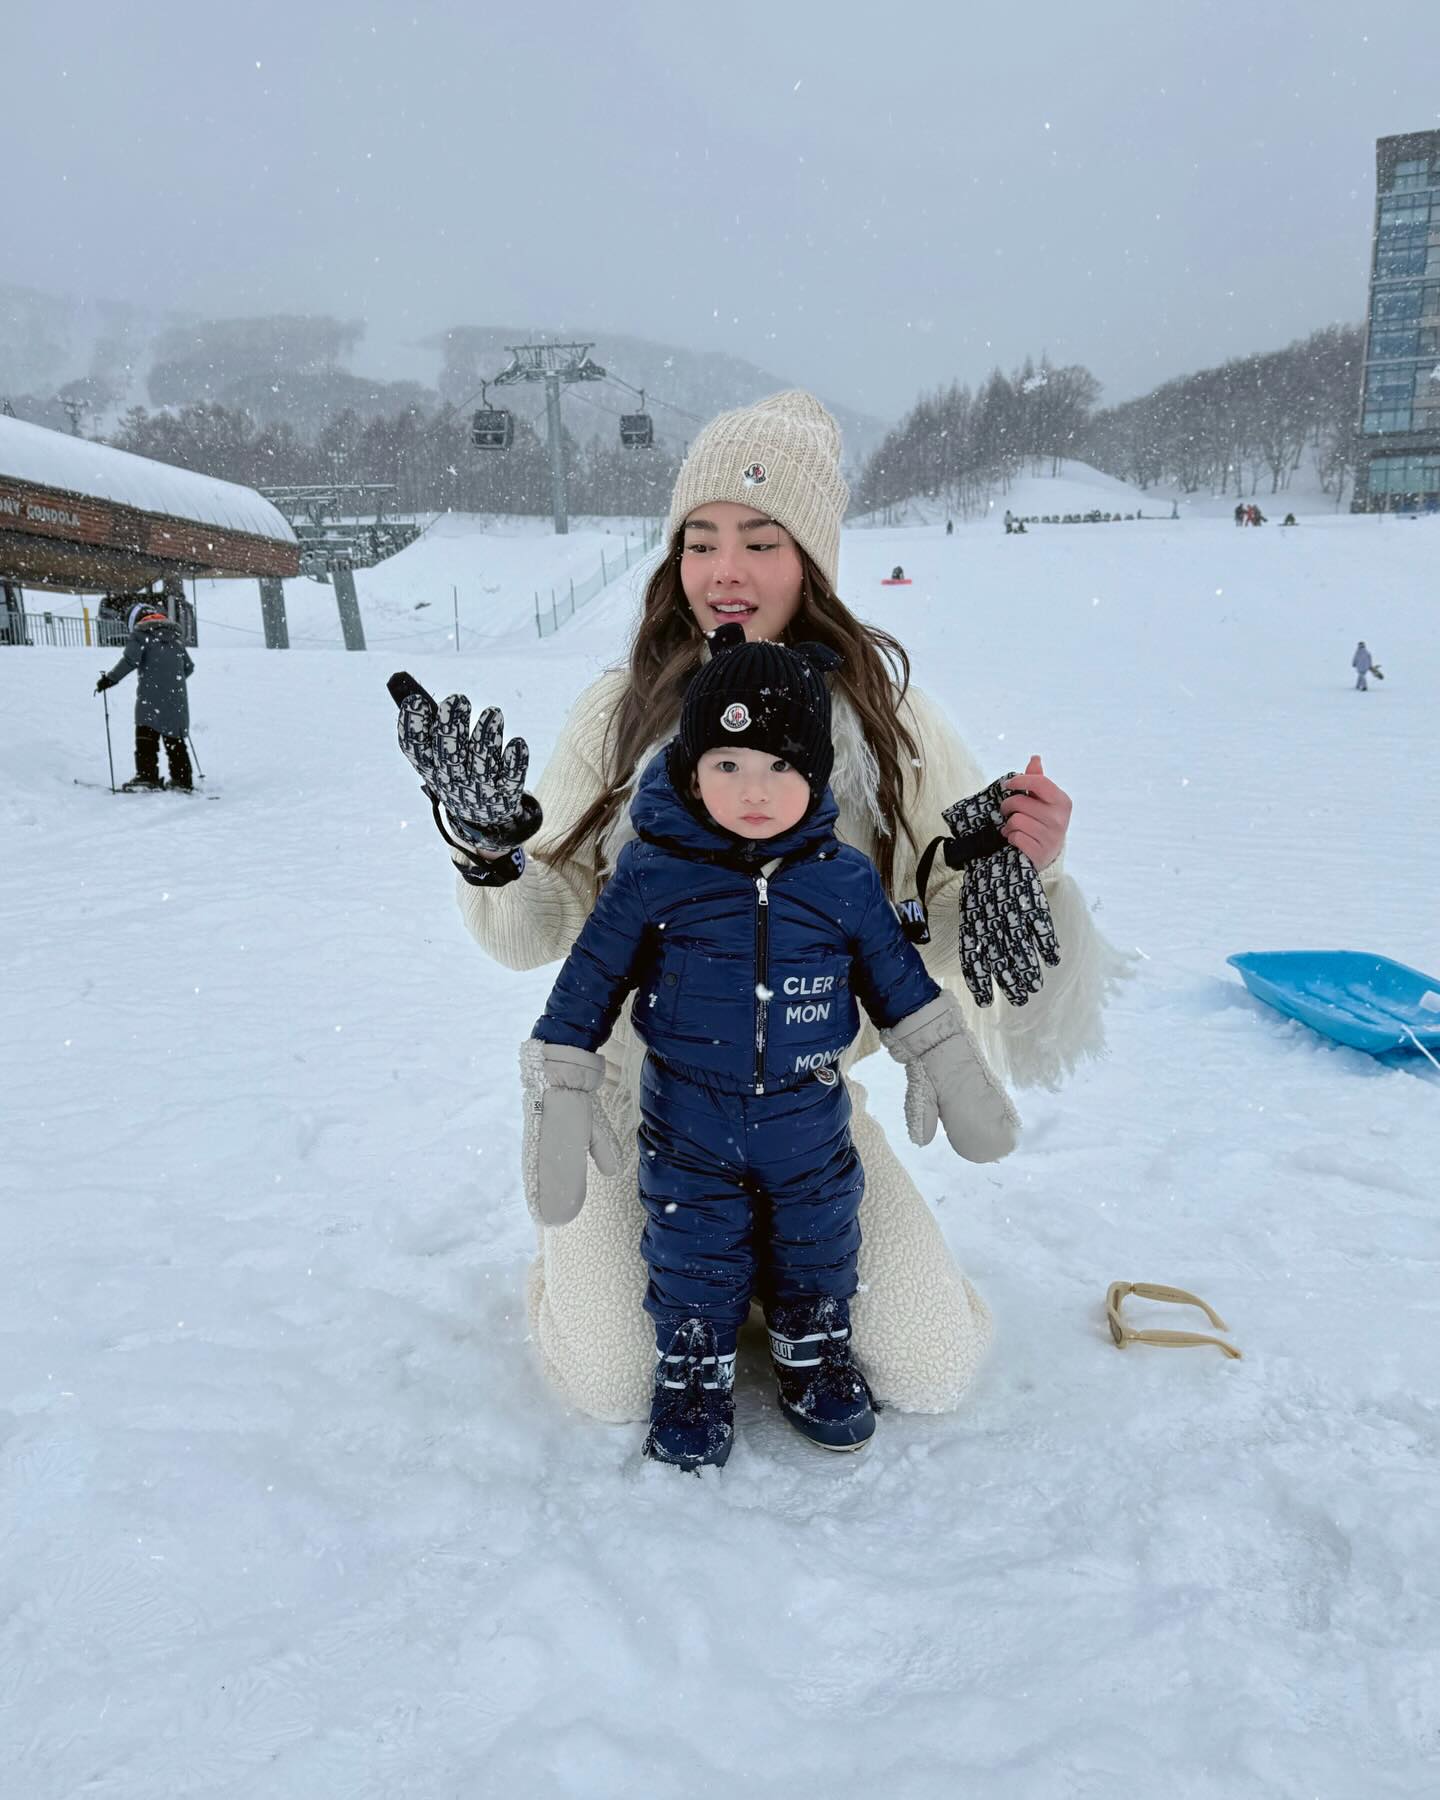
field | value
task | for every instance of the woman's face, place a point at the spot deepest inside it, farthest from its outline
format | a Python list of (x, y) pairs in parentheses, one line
[(737, 564)]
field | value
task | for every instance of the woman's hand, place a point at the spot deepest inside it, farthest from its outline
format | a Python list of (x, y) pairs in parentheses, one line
[(1037, 815)]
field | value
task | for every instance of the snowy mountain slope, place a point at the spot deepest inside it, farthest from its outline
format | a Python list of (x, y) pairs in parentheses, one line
[(1303, 494), (491, 568), (48, 338), (288, 1509), (1077, 488)]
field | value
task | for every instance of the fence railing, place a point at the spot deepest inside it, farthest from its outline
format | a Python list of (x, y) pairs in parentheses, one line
[(565, 602), (62, 631), (85, 630), (1093, 517)]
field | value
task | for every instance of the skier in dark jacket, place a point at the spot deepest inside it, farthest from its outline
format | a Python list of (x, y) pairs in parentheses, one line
[(748, 933), (157, 651)]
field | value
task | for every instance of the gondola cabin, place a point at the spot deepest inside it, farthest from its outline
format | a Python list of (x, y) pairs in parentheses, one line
[(492, 429), (637, 431)]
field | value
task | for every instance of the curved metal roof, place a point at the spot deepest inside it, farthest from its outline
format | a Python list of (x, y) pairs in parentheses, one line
[(32, 453)]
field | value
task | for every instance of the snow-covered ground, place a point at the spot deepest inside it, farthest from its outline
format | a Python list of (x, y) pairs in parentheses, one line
[(286, 1508)]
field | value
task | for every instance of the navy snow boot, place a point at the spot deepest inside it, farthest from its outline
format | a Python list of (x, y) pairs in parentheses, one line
[(692, 1416), (822, 1393)]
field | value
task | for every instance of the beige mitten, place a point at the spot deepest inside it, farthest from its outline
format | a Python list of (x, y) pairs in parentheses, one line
[(947, 1078), (563, 1121)]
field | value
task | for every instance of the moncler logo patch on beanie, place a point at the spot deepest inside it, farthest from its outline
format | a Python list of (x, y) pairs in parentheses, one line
[(781, 456), (760, 696)]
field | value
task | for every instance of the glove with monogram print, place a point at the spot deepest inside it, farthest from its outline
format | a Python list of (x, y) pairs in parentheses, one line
[(1006, 930), (474, 775)]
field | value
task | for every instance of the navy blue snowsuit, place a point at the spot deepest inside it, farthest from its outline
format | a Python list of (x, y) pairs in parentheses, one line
[(747, 960)]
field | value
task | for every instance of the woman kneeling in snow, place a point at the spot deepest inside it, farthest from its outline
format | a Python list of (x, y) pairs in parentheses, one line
[(755, 538)]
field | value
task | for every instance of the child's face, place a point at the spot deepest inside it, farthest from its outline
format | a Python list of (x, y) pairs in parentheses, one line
[(750, 792), (737, 564)]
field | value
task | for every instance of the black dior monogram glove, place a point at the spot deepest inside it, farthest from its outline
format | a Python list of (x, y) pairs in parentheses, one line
[(1006, 930), (477, 778)]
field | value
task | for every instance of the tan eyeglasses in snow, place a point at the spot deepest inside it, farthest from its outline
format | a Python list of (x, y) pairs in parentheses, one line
[(1148, 1290)]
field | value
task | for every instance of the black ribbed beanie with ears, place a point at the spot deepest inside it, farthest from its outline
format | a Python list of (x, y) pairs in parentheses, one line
[(760, 696)]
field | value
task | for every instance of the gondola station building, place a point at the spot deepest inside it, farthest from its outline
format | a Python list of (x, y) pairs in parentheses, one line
[(81, 518)]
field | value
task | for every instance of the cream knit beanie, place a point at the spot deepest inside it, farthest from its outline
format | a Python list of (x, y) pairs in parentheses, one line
[(781, 456)]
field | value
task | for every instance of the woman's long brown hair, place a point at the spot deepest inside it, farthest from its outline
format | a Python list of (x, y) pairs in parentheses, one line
[(666, 653)]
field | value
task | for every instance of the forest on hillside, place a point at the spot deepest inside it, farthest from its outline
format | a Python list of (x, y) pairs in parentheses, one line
[(1243, 427)]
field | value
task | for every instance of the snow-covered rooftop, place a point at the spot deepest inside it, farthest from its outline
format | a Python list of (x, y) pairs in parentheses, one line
[(51, 459)]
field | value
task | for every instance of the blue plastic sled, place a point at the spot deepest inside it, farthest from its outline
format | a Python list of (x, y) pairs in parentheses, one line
[(1368, 1002)]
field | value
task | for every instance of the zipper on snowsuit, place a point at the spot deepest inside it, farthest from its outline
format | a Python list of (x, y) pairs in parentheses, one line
[(762, 959)]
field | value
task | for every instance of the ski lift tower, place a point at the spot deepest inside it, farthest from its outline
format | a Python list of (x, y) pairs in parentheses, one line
[(553, 364), (341, 528)]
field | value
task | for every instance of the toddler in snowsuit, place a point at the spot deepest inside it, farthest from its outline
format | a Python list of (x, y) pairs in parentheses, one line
[(748, 933)]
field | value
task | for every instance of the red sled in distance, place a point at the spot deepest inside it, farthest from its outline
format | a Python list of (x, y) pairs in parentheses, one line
[(904, 581)]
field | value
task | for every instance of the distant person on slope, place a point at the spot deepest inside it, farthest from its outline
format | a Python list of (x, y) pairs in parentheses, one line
[(1363, 664), (754, 536), (156, 652)]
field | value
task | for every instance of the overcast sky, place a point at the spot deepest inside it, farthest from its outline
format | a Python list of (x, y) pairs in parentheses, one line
[(871, 199)]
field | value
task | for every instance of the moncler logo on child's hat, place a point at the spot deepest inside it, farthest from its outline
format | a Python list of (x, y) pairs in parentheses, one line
[(782, 456), (736, 717)]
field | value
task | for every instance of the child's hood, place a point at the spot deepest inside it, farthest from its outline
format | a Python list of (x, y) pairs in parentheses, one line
[(661, 817)]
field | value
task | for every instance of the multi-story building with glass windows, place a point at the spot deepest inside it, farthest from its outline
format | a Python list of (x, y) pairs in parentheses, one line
[(1398, 459)]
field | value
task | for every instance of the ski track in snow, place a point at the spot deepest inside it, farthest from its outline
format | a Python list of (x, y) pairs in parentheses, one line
[(286, 1508)]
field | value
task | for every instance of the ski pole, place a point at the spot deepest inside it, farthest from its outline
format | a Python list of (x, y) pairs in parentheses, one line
[(193, 757), (109, 753)]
